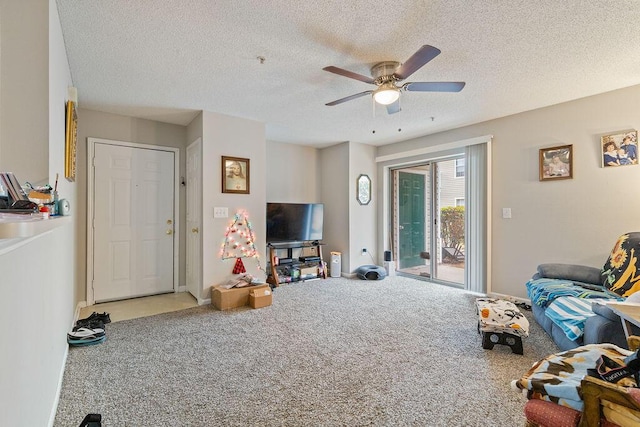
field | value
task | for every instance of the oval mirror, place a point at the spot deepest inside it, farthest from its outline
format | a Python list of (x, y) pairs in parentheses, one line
[(363, 189)]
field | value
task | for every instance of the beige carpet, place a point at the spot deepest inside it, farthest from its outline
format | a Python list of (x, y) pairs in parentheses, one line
[(334, 352)]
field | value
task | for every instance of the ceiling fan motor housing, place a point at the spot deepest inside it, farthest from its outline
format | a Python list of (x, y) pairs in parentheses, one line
[(383, 72)]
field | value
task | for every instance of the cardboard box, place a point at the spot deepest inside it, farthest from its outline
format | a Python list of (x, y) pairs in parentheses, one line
[(309, 271), (259, 298), (225, 299)]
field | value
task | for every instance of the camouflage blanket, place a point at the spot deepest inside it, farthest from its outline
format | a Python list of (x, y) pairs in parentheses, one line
[(557, 377)]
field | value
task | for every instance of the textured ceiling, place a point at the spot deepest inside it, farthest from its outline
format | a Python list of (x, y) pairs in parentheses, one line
[(166, 60)]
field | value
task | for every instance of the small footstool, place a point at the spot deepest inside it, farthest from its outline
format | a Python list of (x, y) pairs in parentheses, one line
[(500, 322)]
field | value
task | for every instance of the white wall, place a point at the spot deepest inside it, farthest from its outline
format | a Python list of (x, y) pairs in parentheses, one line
[(362, 218), (334, 166), (292, 173), (576, 220), (230, 136), (38, 277), (25, 86)]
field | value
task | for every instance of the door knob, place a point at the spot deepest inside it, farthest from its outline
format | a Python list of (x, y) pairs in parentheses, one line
[(169, 231), (194, 230)]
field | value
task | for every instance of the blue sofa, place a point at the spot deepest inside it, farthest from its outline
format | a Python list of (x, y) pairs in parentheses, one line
[(554, 283), (605, 326)]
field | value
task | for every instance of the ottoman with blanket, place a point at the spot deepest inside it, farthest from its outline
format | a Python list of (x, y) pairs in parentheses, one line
[(500, 322), (569, 301)]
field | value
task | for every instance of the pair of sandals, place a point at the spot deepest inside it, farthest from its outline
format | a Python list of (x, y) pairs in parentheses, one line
[(89, 331)]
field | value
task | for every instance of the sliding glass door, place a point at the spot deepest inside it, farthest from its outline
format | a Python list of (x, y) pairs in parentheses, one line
[(429, 220)]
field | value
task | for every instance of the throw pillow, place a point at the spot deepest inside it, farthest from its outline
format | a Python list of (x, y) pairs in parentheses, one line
[(620, 273)]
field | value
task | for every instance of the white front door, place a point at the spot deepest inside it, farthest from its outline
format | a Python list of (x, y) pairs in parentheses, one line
[(194, 218), (133, 210)]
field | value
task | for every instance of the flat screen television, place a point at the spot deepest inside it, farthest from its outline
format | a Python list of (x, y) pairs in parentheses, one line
[(294, 222)]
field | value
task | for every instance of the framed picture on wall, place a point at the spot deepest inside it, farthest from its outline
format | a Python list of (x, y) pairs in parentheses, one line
[(235, 175), (620, 149), (556, 163), (70, 142)]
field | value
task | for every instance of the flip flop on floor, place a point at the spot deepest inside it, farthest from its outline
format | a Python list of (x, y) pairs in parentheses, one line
[(86, 341), (86, 333)]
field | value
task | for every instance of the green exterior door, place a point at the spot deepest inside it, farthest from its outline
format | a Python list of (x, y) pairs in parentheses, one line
[(411, 215)]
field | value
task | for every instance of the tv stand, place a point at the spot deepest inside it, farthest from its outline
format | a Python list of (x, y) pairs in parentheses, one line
[(295, 269)]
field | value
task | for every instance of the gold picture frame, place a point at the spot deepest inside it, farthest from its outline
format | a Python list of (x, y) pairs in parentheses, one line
[(70, 142), (235, 175), (556, 163)]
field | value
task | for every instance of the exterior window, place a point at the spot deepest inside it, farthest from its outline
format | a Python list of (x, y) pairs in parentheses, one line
[(459, 201), (459, 168)]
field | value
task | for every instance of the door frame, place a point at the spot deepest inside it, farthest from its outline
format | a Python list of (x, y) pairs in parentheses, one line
[(432, 153), (91, 143), (197, 144)]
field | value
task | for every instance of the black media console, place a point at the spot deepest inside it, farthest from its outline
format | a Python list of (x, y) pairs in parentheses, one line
[(284, 267)]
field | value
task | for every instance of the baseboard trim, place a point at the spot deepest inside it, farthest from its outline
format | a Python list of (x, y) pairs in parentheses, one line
[(56, 401), (76, 315), (54, 409), (510, 298)]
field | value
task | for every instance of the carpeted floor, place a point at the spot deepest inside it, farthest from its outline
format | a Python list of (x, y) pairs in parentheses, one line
[(335, 352)]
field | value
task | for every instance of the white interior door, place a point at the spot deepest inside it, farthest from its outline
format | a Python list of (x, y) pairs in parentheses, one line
[(194, 218), (133, 210)]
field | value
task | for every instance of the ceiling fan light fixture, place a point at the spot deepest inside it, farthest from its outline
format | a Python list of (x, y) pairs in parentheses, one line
[(386, 94)]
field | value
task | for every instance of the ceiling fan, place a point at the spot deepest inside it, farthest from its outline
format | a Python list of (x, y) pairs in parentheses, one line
[(387, 74)]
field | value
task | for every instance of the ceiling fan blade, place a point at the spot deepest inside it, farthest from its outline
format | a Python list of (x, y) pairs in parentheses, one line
[(434, 86), (394, 107), (347, 73), (348, 98), (425, 54)]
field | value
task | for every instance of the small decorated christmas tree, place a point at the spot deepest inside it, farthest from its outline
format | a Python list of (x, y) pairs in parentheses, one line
[(239, 242)]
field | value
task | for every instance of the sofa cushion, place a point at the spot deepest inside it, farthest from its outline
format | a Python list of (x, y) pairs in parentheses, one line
[(620, 272), (579, 273), (570, 314)]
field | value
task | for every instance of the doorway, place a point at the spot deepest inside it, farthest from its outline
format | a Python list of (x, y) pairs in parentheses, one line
[(429, 220), (132, 214)]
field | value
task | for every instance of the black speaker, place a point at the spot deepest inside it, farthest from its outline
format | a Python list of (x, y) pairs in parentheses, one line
[(387, 255)]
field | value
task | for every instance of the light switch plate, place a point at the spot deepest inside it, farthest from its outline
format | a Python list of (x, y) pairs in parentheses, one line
[(220, 212), (506, 212)]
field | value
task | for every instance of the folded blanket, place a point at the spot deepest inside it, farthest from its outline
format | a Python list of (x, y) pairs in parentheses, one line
[(500, 316), (557, 377), (570, 314), (543, 291)]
